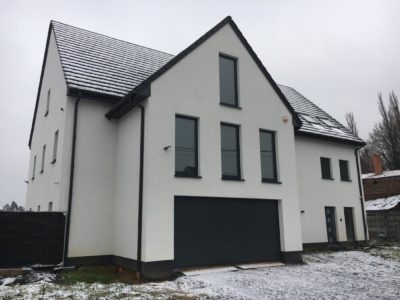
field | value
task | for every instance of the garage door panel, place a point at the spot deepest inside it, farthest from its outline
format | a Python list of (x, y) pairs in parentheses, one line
[(211, 231)]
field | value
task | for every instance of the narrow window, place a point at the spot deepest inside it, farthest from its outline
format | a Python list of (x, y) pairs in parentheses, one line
[(228, 81), (55, 145), (43, 158), (38, 208), (50, 206), (186, 157), (326, 168), (268, 156), (344, 170), (47, 103), (34, 168), (230, 152)]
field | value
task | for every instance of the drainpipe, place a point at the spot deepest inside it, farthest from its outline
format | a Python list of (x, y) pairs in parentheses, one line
[(71, 180), (361, 194)]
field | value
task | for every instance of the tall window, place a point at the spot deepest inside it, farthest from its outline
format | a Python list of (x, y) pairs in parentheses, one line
[(47, 103), (268, 156), (326, 168), (230, 152), (186, 157), (228, 90), (34, 168), (43, 158), (50, 206), (55, 145), (344, 170), (38, 208)]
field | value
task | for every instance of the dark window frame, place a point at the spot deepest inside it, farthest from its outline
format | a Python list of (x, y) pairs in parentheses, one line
[(55, 147), (330, 168), (239, 169), (47, 103), (348, 179), (43, 159), (196, 141), (275, 179), (235, 60), (34, 168)]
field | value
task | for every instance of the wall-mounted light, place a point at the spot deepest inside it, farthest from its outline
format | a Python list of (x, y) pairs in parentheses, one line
[(285, 119), (167, 147), (302, 211)]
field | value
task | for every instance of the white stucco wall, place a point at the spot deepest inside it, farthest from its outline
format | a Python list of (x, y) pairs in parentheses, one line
[(315, 193), (46, 187), (192, 88), (92, 214), (127, 185)]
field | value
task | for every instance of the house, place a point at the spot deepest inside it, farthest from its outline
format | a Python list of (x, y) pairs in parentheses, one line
[(165, 162), (382, 192)]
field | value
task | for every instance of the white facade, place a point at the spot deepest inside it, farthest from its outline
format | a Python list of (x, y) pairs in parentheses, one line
[(104, 215)]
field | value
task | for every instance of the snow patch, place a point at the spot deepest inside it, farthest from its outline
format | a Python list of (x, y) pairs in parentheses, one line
[(382, 203)]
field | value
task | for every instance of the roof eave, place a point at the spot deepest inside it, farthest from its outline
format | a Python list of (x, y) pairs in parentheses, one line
[(330, 138)]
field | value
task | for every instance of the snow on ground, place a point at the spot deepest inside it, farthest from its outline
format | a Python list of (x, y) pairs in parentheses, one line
[(333, 275)]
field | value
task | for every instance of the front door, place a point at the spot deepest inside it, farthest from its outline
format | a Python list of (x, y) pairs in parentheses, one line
[(330, 224), (349, 220)]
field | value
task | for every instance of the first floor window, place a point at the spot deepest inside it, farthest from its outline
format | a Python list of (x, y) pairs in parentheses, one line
[(34, 168), (186, 157), (55, 146), (268, 155), (326, 168), (230, 151), (43, 158), (344, 170)]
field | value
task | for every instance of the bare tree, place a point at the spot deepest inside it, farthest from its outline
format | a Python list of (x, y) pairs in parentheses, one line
[(351, 123), (385, 137)]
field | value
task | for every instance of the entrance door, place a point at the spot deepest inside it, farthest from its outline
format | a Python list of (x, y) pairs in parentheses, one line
[(349, 220), (330, 224)]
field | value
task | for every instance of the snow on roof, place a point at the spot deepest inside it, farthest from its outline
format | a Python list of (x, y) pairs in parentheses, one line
[(314, 119), (97, 63), (392, 173), (382, 203)]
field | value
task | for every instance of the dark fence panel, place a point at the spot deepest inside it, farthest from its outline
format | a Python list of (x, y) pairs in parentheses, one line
[(28, 238)]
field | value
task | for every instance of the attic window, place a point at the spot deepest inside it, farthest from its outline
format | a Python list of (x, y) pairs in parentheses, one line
[(309, 119), (47, 103), (327, 122)]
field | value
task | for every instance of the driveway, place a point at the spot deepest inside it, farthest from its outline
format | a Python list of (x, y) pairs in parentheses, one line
[(330, 275)]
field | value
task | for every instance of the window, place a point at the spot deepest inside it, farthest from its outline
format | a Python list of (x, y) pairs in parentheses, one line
[(43, 158), (344, 170), (55, 147), (186, 159), (268, 156), (309, 118), (50, 206), (34, 168), (38, 208), (326, 168), (230, 152), (228, 91), (47, 103)]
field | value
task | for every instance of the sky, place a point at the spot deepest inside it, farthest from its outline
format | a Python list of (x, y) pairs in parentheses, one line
[(339, 54)]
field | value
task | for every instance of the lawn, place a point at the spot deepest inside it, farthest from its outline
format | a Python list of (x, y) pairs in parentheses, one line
[(370, 274)]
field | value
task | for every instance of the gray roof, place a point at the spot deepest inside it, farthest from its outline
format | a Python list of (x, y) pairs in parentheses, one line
[(97, 63), (314, 120)]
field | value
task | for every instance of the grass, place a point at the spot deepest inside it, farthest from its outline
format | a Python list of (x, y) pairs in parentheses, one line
[(97, 274)]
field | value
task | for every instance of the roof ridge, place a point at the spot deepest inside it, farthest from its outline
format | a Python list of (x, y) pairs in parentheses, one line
[(107, 36)]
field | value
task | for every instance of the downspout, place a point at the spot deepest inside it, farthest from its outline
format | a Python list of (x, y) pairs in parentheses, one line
[(71, 181), (361, 193), (140, 204)]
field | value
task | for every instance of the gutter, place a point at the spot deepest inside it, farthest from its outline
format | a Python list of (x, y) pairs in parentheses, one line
[(71, 180), (361, 193)]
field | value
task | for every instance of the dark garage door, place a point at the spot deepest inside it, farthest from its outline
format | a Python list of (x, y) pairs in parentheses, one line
[(215, 231)]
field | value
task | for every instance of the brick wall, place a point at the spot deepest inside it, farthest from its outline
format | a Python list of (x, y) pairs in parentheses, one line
[(381, 187)]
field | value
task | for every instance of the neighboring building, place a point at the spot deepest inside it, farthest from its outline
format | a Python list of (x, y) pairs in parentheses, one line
[(164, 162), (382, 190)]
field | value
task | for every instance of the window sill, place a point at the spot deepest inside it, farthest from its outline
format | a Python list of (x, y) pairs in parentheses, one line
[(33, 178), (328, 178), (230, 105), (270, 181), (41, 172), (53, 162), (232, 179), (188, 176), (346, 180)]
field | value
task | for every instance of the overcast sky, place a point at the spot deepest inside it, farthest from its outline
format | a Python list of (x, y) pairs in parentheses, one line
[(337, 53)]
